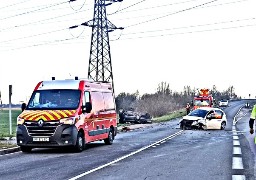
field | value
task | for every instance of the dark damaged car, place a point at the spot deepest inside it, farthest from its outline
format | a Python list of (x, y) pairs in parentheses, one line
[(134, 117)]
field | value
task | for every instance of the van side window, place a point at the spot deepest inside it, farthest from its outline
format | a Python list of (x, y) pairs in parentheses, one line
[(109, 101), (86, 97), (97, 101)]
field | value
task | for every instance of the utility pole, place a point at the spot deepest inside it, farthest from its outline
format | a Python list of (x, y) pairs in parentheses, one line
[(1, 103), (10, 108), (100, 67)]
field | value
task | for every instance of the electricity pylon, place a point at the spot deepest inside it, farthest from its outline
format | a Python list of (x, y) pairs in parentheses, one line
[(100, 67)]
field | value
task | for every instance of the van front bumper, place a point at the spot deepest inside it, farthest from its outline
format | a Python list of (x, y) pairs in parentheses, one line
[(64, 135)]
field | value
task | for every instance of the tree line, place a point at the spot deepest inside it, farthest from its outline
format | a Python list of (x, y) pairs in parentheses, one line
[(165, 100)]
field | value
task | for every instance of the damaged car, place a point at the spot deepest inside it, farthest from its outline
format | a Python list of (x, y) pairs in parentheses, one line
[(134, 117), (204, 118)]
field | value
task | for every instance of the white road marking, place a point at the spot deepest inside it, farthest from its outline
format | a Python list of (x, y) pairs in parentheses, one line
[(237, 163), (235, 137), (126, 156), (236, 143), (238, 177), (237, 150)]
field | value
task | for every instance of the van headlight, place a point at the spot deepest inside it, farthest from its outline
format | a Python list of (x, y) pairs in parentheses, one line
[(20, 121), (70, 120)]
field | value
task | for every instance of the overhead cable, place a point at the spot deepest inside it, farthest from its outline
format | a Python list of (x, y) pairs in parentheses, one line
[(32, 11)]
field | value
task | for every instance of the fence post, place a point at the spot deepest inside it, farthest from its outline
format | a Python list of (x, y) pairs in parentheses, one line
[(10, 108)]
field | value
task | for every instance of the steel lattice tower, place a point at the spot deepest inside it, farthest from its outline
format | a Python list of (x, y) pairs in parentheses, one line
[(100, 68)]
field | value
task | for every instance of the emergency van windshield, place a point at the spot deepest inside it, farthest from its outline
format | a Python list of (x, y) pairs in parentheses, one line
[(54, 99)]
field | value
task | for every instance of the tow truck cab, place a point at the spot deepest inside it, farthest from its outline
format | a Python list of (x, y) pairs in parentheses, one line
[(204, 99), (67, 113)]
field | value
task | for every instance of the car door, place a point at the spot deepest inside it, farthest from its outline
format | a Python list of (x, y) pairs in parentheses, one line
[(214, 122)]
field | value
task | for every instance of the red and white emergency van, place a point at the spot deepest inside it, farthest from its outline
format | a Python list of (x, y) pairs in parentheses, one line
[(67, 113)]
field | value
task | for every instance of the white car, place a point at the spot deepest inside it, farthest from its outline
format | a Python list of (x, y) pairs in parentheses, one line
[(204, 118), (223, 103)]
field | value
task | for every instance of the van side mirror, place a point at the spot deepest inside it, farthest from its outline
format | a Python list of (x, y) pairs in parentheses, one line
[(87, 107), (23, 106)]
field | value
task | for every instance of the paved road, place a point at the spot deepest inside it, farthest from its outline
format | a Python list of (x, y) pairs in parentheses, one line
[(161, 151)]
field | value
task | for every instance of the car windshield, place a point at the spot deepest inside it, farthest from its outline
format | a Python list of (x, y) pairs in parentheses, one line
[(54, 99), (198, 113), (201, 102)]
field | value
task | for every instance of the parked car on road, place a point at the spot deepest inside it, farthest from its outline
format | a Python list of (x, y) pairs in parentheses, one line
[(223, 103), (204, 118)]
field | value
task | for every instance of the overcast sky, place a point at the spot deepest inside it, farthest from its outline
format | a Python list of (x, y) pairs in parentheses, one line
[(197, 43)]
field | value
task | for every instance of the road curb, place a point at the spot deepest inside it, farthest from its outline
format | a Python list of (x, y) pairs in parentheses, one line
[(9, 150)]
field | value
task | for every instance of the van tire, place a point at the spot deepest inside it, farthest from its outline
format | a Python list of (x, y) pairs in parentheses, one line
[(25, 149), (80, 142), (110, 138)]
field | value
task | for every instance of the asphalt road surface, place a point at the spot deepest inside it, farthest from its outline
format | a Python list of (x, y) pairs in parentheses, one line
[(160, 151)]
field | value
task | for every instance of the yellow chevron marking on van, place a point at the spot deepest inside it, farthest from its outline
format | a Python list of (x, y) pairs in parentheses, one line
[(41, 117), (68, 112), (56, 114), (30, 113), (65, 115), (49, 115)]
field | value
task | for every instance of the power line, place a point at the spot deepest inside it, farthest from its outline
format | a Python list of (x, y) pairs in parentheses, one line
[(153, 7), (171, 4), (39, 21), (187, 9), (145, 35), (33, 7), (192, 26), (148, 15), (190, 32), (11, 5), (78, 8), (41, 44), (32, 11), (124, 34), (35, 35), (127, 7)]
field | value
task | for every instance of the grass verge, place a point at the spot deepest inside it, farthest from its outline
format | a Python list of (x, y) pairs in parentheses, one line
[(172, 115), (5, 124)]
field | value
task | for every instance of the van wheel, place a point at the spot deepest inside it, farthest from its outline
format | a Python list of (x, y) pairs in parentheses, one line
[(110, 138), (79, 147), (25, 149)]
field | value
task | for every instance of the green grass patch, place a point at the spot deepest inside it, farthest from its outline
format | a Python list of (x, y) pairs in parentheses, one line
[(5, 124), (170, 116)]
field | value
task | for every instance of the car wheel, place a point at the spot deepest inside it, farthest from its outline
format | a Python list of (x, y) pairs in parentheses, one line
[(110, 138), (223, 125), (182, 126), (25, 149)]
